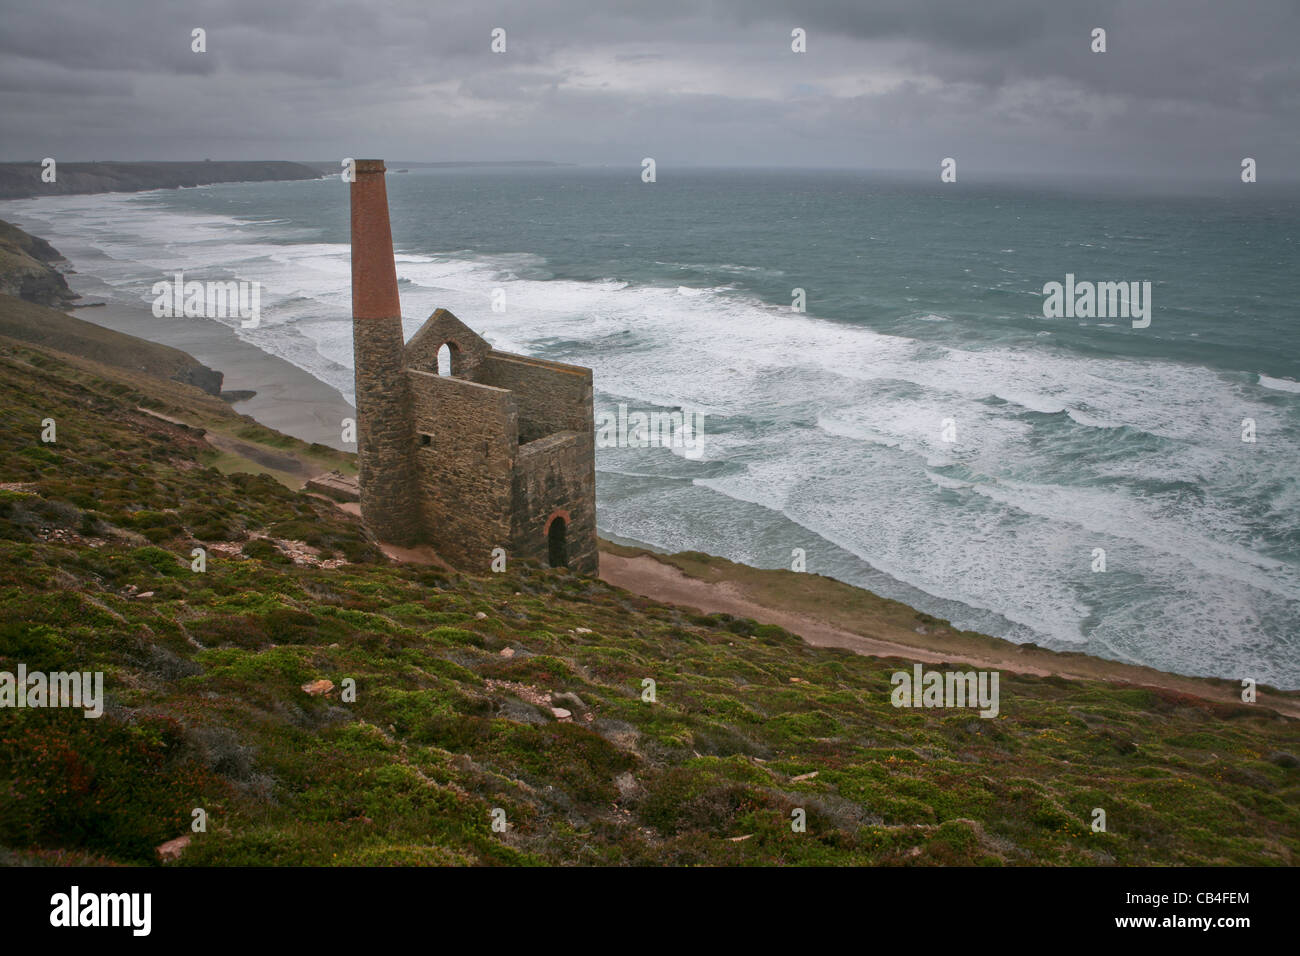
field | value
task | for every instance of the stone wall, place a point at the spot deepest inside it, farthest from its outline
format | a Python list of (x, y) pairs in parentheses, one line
[(386, 468), (551, 397), (335, 485), (465, 470), (556, 474), (468, 349)]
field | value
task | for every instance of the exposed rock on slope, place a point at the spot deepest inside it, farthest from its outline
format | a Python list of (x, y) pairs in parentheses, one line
[(27, 270)]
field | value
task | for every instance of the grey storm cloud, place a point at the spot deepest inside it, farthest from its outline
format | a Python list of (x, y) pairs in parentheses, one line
[(1185, 85)]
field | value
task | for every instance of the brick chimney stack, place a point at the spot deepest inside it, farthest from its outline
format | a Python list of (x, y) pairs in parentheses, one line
[(390, 506)]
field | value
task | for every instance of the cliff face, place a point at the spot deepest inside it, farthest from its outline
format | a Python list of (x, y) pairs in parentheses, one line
[(21, 180), (26, 270)]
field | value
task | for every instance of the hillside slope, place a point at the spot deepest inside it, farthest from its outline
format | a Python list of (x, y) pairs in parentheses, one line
[(456, 679), (29, 322)]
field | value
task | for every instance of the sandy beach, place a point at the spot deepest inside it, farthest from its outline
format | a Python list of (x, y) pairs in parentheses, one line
[(285, 397)]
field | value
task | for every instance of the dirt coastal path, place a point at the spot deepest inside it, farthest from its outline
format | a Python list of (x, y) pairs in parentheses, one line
[(822, 611), (877, 635)]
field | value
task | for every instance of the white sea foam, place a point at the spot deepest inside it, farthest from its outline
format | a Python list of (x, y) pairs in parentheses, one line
[(840, 429), (1280, 384)]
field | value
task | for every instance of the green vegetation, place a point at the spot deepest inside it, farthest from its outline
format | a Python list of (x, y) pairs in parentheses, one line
[(455, 678)]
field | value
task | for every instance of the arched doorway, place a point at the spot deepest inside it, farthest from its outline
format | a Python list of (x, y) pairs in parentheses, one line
[(557, 549)]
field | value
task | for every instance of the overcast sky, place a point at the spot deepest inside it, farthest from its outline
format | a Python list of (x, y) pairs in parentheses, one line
[(1186, 87)]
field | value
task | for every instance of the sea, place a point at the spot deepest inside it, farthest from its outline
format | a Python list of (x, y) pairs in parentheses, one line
[(914, 425)]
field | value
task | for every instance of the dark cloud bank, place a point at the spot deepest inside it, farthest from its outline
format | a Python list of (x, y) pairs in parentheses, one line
[(1185, 90)]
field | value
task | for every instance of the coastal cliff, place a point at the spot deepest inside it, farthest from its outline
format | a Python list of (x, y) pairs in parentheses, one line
[(28, 268)]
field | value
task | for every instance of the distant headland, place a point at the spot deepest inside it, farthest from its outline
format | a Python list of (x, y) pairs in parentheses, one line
[(22, 180)]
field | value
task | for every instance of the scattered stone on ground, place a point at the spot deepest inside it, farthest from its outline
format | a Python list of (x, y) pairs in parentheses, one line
[(570, 698), (172, 849)]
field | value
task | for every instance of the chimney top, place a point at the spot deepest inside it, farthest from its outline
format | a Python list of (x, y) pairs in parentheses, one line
[(374, 274)]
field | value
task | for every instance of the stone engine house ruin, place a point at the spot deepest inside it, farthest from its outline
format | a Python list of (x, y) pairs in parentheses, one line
[(499, 453)]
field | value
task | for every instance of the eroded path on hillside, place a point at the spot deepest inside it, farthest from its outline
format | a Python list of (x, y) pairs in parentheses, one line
[(649, 577)]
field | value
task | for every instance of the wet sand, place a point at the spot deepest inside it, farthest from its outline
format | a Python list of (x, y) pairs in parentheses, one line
[(286, 398)]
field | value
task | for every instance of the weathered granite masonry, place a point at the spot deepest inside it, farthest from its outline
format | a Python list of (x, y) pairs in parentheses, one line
[(384, 419), (499, 453)]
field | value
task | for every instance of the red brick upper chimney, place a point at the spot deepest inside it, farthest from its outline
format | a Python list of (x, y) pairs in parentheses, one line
[(385, 417), (374, 275)]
